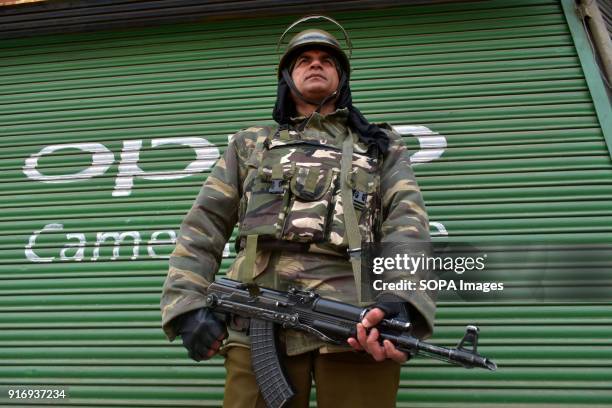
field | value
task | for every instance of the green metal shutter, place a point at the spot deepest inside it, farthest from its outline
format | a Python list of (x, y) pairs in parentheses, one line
[(97, 132)]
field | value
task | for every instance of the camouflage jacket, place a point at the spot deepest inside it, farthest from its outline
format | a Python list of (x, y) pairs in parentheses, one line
[(238, 190)]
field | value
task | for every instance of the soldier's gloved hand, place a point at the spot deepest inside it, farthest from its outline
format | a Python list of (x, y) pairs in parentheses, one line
[(202, 333), (393, 309), (369, 342)]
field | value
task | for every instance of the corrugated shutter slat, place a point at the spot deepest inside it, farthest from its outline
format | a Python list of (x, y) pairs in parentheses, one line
[(499, 80)]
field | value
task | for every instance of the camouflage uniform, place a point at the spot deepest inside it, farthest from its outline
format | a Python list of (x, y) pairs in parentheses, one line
[(304, 228)]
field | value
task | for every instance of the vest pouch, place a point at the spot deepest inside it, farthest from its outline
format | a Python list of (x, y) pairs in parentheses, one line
[(310, 204), (266, 200), (365, 200), (364, 186)]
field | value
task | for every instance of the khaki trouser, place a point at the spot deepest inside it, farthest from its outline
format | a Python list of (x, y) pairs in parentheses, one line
[(346, 379)]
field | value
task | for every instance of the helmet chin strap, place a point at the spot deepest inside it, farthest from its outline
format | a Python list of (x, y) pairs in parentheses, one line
[(319, 105)]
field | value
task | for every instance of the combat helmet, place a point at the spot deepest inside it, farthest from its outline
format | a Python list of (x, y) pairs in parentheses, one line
[(314, 38), (284, 108)]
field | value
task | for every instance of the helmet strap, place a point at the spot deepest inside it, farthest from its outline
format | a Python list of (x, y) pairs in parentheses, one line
[(293, 88)]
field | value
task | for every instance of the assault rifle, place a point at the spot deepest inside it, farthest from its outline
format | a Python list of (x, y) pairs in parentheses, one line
[(331, 321)]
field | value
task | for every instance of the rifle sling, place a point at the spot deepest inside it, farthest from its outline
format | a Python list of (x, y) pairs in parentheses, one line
[(350, 217)]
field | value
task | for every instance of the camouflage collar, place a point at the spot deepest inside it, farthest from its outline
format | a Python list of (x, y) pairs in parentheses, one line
[(324, 128), (339, 115)]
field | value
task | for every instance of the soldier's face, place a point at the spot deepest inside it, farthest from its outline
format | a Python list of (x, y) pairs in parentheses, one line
[(315, 74)]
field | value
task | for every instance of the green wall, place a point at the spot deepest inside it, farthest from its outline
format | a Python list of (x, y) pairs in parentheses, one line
[(111, 133)]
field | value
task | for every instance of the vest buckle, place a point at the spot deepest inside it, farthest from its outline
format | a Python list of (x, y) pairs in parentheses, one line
[(359, 199), (276, 187)]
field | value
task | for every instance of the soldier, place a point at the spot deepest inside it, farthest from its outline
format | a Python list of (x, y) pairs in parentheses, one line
[(304, 193)]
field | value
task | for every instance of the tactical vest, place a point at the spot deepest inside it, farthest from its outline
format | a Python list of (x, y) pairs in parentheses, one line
[(292, 194)]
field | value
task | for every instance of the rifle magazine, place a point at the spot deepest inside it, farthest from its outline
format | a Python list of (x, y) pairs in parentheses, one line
[(271, 379)]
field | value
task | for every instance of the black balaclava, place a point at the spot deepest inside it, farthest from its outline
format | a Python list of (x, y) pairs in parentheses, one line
[(369, 133)]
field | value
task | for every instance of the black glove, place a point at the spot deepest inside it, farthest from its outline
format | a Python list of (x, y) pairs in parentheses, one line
[(393, 306), (200, 330)]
